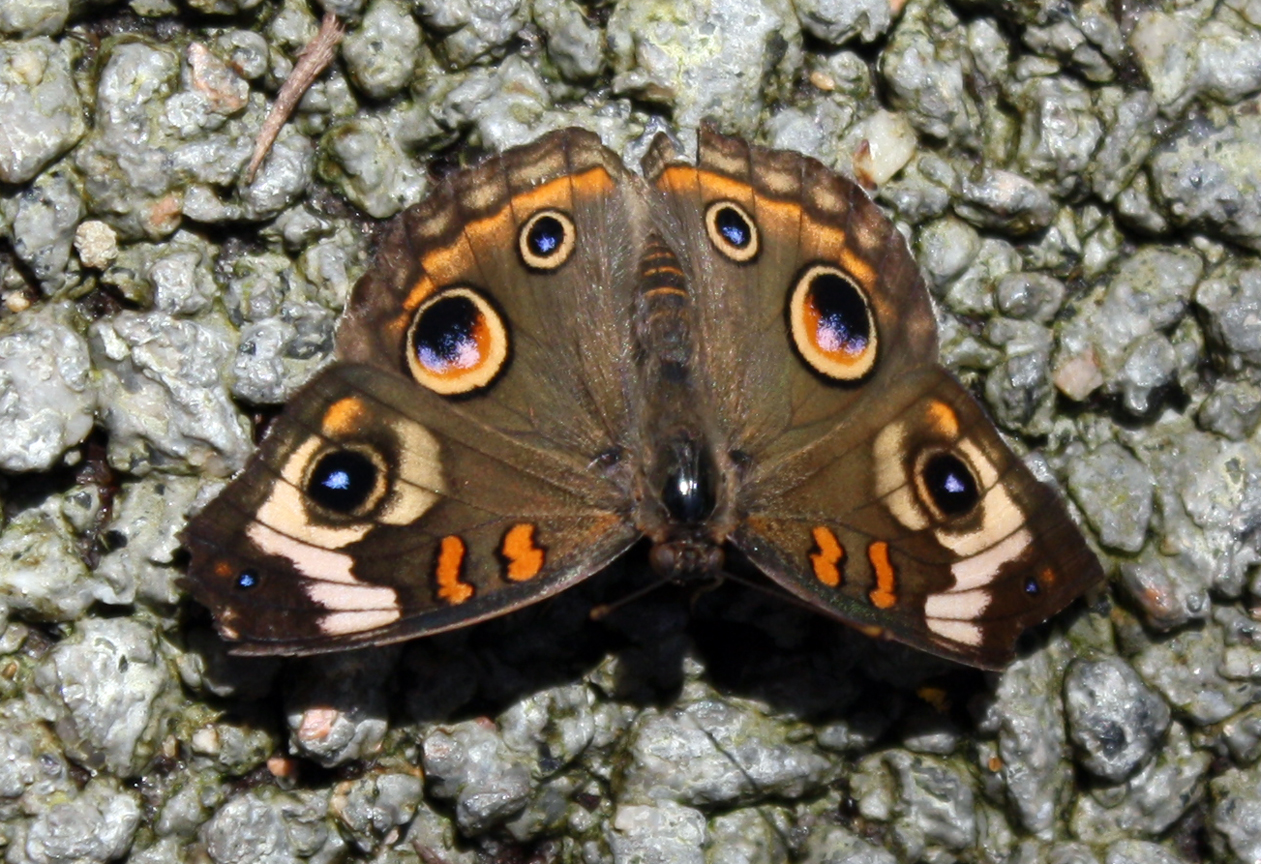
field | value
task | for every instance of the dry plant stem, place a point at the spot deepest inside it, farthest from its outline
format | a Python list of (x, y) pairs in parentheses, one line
[(313, 60)]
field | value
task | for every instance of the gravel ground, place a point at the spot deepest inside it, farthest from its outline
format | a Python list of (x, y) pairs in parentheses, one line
[(1082, 186)]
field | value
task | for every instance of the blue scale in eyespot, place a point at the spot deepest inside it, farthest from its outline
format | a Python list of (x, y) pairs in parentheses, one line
[(951, 484), (246, 579), (1032, 587), (843, 321), (342, 481), (545, 236), (734, 227)]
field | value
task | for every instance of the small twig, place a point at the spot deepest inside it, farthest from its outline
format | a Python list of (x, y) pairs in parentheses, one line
[(312, 61)]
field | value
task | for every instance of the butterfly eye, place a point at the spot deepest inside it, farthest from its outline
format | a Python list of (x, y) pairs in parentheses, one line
[(732, 231), (457, 343), (546, 240), (346, 482), (832, 324), (948, 482)]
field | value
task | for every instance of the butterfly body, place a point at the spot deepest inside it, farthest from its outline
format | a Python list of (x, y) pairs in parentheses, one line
[(554, 357)]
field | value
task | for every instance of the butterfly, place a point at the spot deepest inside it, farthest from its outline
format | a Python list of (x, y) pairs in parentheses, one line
[(554, 357)]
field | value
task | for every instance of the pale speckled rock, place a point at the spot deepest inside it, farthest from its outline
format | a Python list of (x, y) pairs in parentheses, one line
[(1018, 390), (555, 725), (661, 833), (1232, 410), (944, 249), (1113, 718), (1170, 590), (574, 44), (1059, 132), (921, 191), (1206, 176), (147, 516), (96, 244), (382, 52), (364, 161), (244, 51), (1120, 330), (433, 833), (711, 753), (753, 836), (45, 215), (473, 29), (374, 807), (92, 827), (1115, 492), (1230, 299), (336, 707), (1140, 852), (838, 21), (38, 99), (832, 844), (45, 578), (47, 392), (1186, 670), (26, 18), (1029, 296), (697, 56), (223, 7), (922, 70), (1027, 715), (470, 764), (926, 800), (1004, 201), (278, 355), (267, 826), (108, 689), (162, 388), (227, 747), (972, 291), (1234, 819), (1087, 37), (1242, 735), (1150, 801), (1219, 58), (1129, 135)]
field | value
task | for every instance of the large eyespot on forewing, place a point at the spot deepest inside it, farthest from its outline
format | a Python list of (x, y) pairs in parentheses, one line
[(457, 342), (546, 240), (732, 231), (832, 325)]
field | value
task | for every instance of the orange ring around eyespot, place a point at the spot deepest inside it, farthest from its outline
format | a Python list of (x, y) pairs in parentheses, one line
[(475, 349), (826, 351)]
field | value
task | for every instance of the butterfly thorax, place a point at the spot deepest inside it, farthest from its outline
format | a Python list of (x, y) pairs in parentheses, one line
[(682, 491)]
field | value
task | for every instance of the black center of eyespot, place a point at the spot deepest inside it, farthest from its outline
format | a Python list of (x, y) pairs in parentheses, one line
[(1032, 587), (445, 337), (951, 484), (246, 579), (342, 481), (545, 236), (733, 226), (843, 325)]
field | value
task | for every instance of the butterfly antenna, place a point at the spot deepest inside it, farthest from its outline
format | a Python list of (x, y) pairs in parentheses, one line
[(603, 610), (771, 591)]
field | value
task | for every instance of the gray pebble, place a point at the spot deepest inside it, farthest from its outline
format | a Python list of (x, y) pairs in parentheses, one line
[(162, 385), (47, 394), (574, 45), (1235, 816), (372, 808), (1140, 852), (147, 516), (1059, 132), (336, 708), (1170, 590), (1232, 410), (1114, 491), (382, 52), (1004, 201), (928, 803), (95, 826), (1128, 138), (554, 725), (38, 99), (1150, 801), (365, 163), (925, 80), (1242, 735), (1018, 390), (1113, 718), (711, 753), (470, 763), (267, 826), (1186, 670), (832, 844), (1029, 296), (752, 836), (660, 833), (697, 59), (44, 221), (1208, 175), (1230, 300), (838, 21), (108, 688), (25, 18), (472, 29), (45, 577)]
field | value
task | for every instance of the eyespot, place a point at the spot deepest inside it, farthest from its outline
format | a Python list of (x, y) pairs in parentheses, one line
[(832, 324), (546, 240), (732, 231), (349, 481), (457, 342), (247, 579), (949, 484)]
